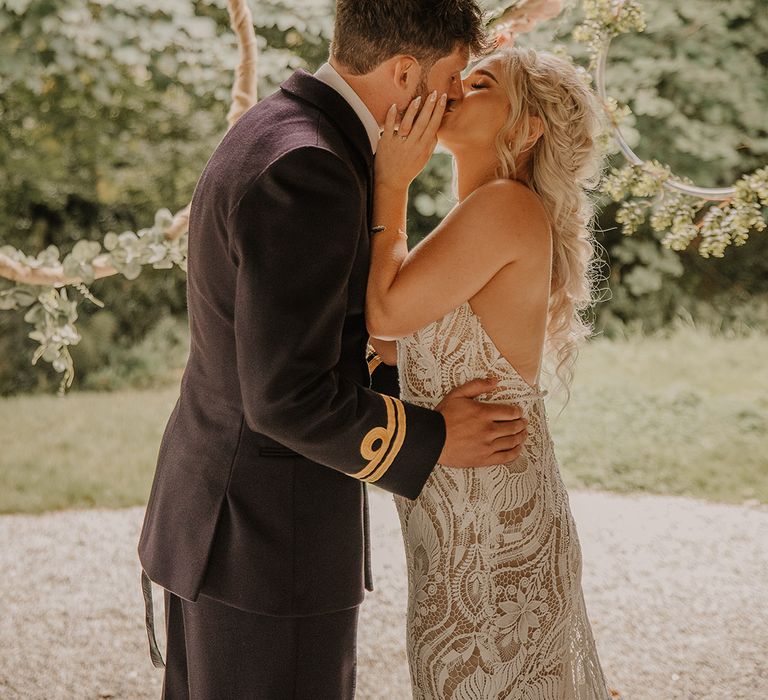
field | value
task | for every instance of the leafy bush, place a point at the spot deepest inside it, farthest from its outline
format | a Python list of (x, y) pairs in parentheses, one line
[(156, 360)]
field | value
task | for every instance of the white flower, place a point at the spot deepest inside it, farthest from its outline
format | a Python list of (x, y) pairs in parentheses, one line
[(519, 617)]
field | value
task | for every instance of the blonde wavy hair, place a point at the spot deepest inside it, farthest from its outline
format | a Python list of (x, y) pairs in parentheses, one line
[(564, 164)]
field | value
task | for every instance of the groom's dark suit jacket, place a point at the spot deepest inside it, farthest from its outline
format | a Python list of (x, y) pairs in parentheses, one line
[(258, 498)]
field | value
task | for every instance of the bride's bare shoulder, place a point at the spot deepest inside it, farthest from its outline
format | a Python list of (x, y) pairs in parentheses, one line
[(506, 196), (507, 207)]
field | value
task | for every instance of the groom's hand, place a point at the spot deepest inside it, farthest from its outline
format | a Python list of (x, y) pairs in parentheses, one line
[(480, 434)]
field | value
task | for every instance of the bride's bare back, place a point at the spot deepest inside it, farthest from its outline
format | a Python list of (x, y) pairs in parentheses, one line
[(513, 306)]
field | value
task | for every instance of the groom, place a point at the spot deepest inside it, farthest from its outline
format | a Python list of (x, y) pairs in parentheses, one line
[(257, 521)]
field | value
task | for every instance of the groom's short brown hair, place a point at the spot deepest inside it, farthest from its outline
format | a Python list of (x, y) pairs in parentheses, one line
[(368, 32)]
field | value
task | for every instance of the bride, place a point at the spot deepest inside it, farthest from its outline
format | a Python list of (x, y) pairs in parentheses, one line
[(495, 604)]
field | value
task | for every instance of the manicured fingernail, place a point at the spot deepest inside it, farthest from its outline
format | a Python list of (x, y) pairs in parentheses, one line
[(417, 101), (433, 96), (444, 99)]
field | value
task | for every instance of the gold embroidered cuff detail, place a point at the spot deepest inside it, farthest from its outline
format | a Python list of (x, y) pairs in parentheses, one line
[(373, 363), (390, 439)]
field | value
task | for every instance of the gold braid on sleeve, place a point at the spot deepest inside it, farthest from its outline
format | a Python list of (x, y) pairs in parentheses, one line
[(390, 439), (372, 358)]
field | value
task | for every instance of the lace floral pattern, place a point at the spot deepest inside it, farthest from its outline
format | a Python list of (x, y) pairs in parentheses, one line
[(495, 606)]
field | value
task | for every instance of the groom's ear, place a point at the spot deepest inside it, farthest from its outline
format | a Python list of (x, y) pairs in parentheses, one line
[(406, 73)]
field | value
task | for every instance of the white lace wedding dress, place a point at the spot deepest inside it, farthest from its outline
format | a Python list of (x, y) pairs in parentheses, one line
[(495, 604)]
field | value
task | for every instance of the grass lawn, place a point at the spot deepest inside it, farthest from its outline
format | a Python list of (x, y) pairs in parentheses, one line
[(686, 415), (681, 415)]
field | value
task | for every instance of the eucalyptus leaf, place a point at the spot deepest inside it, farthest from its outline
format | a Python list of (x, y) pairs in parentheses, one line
[(111, 241), (8, 303), (23, 296), (50, 353), (131, 271)]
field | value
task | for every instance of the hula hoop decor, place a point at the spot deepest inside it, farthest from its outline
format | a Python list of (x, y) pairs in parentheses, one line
[(670, 204), (649, 191)]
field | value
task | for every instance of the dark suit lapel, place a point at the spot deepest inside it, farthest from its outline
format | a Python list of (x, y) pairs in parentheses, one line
[(305, 86)]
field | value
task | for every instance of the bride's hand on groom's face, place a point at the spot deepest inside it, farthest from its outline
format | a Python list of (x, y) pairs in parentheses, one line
[(406, 148)]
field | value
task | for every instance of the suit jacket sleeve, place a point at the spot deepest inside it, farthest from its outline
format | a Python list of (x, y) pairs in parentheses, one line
[(295, 234)]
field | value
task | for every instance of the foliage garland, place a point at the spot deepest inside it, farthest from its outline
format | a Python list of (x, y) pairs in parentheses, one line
[(650, 191)]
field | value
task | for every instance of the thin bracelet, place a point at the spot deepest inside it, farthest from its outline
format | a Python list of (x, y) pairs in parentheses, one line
[(381, 229)]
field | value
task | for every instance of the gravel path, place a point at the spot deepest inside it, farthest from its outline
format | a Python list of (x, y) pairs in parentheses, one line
[(677, 591)]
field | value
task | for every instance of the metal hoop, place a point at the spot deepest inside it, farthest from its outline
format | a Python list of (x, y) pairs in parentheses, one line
[(714, 194)]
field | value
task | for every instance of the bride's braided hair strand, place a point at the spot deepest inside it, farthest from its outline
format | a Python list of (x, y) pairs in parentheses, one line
[(564, 166)]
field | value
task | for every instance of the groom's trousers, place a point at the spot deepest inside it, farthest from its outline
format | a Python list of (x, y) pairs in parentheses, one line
[(217, 652)]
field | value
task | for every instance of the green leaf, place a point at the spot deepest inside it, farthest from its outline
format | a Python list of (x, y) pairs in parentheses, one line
[(110, 241)]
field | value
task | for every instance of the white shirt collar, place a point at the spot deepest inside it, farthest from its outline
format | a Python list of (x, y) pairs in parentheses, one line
[(330, 76)]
